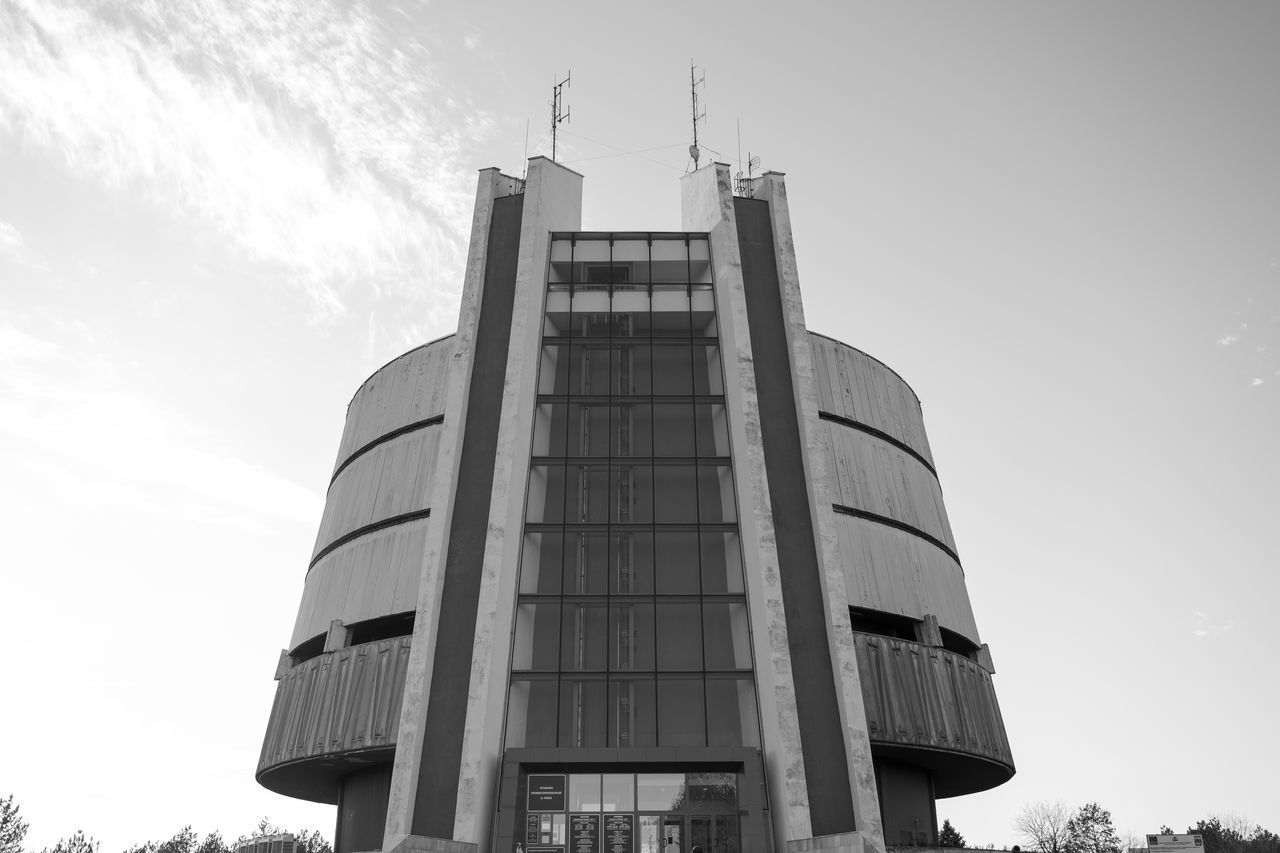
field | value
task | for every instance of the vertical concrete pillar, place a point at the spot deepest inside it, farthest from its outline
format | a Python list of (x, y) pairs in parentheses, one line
[(771, 188), (552, 202), (492, 187), (707, 205)]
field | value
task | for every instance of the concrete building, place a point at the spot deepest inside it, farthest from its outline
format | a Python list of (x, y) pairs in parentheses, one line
[(634, 561)]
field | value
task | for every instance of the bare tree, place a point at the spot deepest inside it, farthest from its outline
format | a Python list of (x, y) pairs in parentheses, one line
[(1043, 826)]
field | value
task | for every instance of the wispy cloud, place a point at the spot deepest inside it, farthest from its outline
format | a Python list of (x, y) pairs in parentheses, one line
[(1227, 340), (1206, 627), (1256, 382), (313, 136), (10, 238), (105, 444)]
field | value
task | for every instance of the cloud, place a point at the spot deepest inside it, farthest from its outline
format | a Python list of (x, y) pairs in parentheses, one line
[(1227, 340), (10, 238), (1204, 626), (312, 136), (110, 445), (1256, 382)]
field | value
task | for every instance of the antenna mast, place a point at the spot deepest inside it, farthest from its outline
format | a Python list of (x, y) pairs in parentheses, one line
[(694, 83), (557, 101)]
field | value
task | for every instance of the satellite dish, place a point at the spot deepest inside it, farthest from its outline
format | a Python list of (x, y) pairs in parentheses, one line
[(695, 154)]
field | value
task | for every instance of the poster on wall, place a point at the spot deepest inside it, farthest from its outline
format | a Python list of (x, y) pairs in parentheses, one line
[(546, 792), (584, 833), (531, 824), (618, 833)]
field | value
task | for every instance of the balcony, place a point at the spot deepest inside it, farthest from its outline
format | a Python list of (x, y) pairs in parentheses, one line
[(936, 709), (334, 714)]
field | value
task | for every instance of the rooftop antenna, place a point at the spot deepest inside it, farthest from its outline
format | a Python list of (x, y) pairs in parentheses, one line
[(694, 83), (526, 151), (557, 101), (744, 183)]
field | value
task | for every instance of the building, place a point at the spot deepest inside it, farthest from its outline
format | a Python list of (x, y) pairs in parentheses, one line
[(633, 560)]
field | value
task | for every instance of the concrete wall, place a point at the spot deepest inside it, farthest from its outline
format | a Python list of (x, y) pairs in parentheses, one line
[(368, 552), (896, 547)]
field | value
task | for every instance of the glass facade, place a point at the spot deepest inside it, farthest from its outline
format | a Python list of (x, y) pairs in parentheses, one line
[(631, 627)]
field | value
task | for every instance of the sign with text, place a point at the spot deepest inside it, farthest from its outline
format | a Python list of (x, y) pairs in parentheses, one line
[(618, 833), (531, 829), (1161, 843), (546, 792), (584, 833)]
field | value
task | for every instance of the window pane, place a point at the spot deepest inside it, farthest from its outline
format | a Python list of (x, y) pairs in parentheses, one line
[(731, 702), (671, 311), (681, 718), (540, 561), (712, 429), (531, 712), (629, 322), (537, 636), (583, 636), (676, 563), (631, 563), (716, 502), (632, 722), (659, 792), (632, 430), (556, 322), (632, 494), (591, 250), (583, 712), (721, 563), (553, 369), (546, 494), (589, 369), (726, 642), (588, 429), (587, 494), (679, 630), (631, 644), (561, 250), (620, 788), (632, 373), (713, 791), (672, 369), (675, 493), (630, 250), (673, 429), (584, 792), (708, 375), (586, 562), (549, 429)]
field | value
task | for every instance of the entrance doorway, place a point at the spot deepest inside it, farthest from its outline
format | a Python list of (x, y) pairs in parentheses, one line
[(680, 833)]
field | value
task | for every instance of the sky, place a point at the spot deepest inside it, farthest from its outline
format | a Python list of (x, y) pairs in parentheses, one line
[(1060, 222)]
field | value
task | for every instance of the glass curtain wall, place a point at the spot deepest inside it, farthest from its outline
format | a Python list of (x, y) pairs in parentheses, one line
[(631, 628)]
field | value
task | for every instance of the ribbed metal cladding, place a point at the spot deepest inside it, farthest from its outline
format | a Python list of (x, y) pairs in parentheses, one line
[(924, 696), (339, 702)]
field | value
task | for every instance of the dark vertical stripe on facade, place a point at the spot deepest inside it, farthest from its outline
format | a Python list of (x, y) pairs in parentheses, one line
[(822, 739), (437, 793)]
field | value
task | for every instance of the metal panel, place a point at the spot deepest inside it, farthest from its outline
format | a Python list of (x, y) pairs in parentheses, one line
[(371, 576), (895, 572), (390, 479), (855, 386), (919, 695), (873, 475), (338, 702), (407, 390)]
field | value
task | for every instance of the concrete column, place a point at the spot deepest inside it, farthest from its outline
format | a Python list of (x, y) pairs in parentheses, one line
[(707, 205), (772, 188), (552, 202), (404, 778)]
